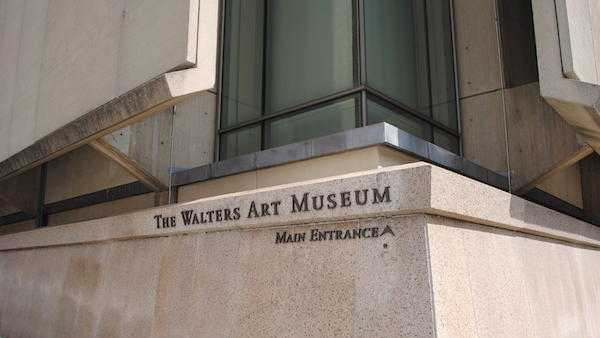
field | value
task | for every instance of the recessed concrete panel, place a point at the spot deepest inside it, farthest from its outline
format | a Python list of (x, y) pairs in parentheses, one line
[(477, 49), (484, 130), (61, 59), (194, 132)]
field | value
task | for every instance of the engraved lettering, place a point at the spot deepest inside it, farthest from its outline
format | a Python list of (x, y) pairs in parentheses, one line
[(300, 206), (380, 198)]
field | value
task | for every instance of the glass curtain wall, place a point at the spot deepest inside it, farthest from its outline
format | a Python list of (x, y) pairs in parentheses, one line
[(294, 70)]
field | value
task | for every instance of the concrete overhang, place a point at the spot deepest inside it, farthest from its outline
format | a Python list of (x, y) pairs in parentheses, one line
[(155, 92), (153, 96), (566, 68)]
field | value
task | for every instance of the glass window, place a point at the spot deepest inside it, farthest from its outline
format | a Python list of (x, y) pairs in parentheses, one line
[(297, 69), (322, 121), (441, 63), (378, 113), (310, 51), (445, 140), (240, 142), (396, 51), (242, 62), (409, 55)]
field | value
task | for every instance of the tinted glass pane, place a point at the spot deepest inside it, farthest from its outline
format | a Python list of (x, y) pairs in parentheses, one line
[(240, 142), (322, 121), (410, 57), (377, 113), (310, 50), (396, 50), (441, 55), (445, 140), (242, 61)]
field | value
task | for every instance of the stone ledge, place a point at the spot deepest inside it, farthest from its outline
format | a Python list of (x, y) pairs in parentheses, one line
[(417, 188)]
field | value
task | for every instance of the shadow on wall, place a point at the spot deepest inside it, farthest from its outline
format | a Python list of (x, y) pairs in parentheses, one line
[(532, 213)]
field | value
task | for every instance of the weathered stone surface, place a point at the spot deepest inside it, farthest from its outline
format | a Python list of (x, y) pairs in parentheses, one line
[(496, 283), (465, 259), (412, 188), (229, 284)]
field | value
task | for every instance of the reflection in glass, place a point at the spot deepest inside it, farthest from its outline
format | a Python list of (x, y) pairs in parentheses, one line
[(288, 56), (409, 55), (378, 113), (310, 51), (445, 140), (322, 121), (242, 62), (240, 142)]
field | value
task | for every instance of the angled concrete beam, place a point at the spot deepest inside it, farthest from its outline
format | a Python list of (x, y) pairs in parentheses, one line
[(565, 163), (136, 105), (131, 166)]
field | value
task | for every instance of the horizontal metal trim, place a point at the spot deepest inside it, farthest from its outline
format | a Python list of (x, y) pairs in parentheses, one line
[(15, 218), (315, 103), (552, 202), (102, 196), (404, 108), (294, 109), (377, 134)]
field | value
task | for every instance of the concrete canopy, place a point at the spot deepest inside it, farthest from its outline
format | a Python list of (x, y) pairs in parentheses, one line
[(146, 57), (568, 72)]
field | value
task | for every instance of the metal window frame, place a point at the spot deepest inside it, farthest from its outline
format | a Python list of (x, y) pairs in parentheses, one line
[(360, 87)]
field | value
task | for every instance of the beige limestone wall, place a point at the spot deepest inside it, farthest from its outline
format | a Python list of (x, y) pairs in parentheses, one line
[(326, 166), (495, 283), (61, 59), (223, 284), (472, 259)]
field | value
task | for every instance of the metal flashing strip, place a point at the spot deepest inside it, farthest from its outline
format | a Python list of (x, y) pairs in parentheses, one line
[(15, 218), (353, 139), (550, 201), (102, 196)]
